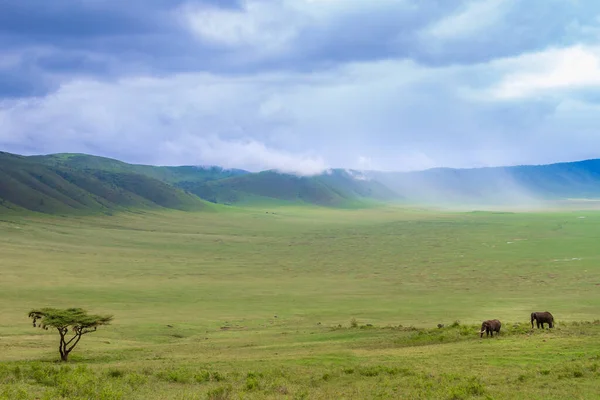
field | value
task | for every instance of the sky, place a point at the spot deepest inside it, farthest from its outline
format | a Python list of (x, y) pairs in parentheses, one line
[(303, 85)]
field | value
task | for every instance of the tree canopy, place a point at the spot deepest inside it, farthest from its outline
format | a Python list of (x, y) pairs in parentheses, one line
[(76, 320)]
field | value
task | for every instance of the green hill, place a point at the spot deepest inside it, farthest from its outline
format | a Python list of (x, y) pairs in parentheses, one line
[(171, 175), (27, 183), (337, 188), (65, 183), (62, 183), (234, 186)]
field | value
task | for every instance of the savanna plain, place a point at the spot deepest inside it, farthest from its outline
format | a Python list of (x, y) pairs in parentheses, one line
[(304, 303)]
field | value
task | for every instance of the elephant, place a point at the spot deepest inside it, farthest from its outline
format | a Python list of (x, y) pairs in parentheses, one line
[(489, 327), (542, 318)]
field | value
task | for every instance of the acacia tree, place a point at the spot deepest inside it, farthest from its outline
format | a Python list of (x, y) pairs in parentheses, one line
[(75, 320)]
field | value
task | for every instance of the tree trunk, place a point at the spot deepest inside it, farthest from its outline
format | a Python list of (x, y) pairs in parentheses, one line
[(62, 347)]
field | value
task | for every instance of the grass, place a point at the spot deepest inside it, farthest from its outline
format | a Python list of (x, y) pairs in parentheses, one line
[(294, 302)]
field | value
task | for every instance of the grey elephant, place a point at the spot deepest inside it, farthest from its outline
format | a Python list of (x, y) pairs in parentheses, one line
[(542, 318), (489, 327)]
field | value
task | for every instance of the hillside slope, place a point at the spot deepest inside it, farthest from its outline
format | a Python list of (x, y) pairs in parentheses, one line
[(171, 175), (499, 185), (337, 188), (61, 183), (25, 183), (234, 186)]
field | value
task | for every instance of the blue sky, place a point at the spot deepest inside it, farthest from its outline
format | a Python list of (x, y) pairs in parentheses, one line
[(303, 85)]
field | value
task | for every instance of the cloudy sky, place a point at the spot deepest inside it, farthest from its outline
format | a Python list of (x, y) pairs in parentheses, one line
[(303, 85)]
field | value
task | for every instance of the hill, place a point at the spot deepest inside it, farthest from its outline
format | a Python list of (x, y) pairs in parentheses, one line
[(60, 183), (497, 185), (171, 175), (336, 188), (27, 183)]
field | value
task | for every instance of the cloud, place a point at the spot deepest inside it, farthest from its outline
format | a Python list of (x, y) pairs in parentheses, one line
[(551, 71), (301, 85), (393, 115), (257, 25), (475, 18), (165, 121)]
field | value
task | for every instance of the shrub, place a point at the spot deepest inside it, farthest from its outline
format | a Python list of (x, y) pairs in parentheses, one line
[(251, 383), (220, 393), (175, 376), (115, 373)]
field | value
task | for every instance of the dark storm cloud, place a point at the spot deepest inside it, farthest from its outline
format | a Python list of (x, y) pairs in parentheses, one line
[(122, 38)]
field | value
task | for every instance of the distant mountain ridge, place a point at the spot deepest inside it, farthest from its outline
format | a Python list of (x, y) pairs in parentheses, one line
[(65, 183), (498, 185)]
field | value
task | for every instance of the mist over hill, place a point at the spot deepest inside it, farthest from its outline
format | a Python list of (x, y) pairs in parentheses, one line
[(66, 183), (497, 185)]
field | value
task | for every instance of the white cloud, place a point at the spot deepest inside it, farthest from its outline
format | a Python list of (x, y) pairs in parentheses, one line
[(475, 18), (262, 29), (249, 153), (189, 119), (263, 26), (387, 115), (547, 72)]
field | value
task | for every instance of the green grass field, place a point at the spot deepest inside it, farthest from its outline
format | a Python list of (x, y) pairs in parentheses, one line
[(304, 303)]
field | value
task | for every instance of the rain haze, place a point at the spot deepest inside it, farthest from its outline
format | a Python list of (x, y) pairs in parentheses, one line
[(303, 85)]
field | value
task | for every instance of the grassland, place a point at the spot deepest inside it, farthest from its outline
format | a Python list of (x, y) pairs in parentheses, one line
[(304, 303)]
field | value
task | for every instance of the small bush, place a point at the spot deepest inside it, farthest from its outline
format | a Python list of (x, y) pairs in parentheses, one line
[(353, 323), (473, 387), (251, 383), (545, 372), (217, 376), (220, 393), (115, 373), (282, 390), (202, 376), (175, 376), (135, 380), (208, 376), (369, 371), (348, 370)]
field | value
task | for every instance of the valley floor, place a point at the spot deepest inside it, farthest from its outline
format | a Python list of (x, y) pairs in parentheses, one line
[(304, 303)]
